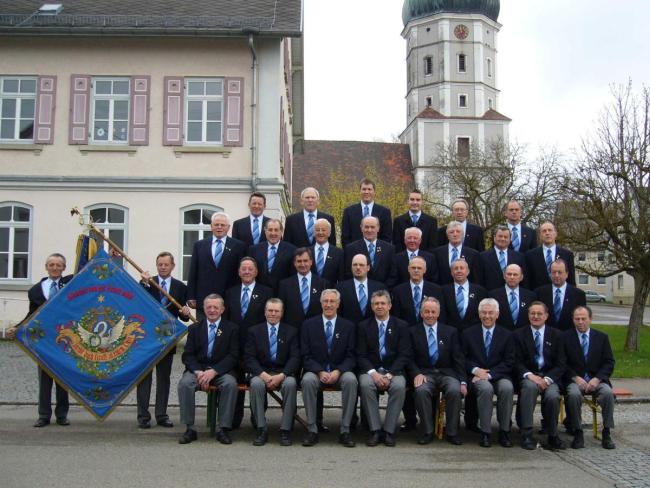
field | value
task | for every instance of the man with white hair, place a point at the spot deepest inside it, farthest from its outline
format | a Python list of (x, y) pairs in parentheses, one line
[(299, 227), (328, 259), (452, 250), (412, 242)]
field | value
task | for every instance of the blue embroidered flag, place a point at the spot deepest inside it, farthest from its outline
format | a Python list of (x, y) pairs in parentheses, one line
[(100, 335)]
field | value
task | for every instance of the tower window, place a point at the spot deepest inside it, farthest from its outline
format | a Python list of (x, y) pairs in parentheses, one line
[(462, 147), (428, 65), (490, 104), (462, 63), (462, 101), (428, 102), (489, 68)]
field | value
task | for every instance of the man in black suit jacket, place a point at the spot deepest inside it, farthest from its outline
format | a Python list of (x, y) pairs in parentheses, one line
[(408, 296), (415, 217), (539, 367), (560, 297), (489, 360), (272, 360), (213, 267), (493, 262), (524, 238), (513, 300), (437, 364), (472, 234), (328, 259), (462, 298), (327, 347), (590, 364), (301, 292), (250, 229), (356, 292), (539, 259), (353, 215), (454, 249), (380, 253), (177, 289), (274, 256), (383, 353), (300, 226), (210, 357), (399, 272)]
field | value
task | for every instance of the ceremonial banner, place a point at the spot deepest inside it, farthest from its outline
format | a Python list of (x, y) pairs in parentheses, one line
[(100, 335)]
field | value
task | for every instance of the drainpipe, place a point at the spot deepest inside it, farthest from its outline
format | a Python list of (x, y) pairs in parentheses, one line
[(254, 157)]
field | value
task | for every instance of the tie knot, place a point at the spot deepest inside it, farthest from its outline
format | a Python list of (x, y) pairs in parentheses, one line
[(311, 215), (460, 289), (381, 324), (246, 289), (212, 325), (321, 249), (360, 286), (501, 253), (584, 336), (304, 280), (537, 334), (558, 292), (328, 323), (273, 329), (273, 247), (512, 294)]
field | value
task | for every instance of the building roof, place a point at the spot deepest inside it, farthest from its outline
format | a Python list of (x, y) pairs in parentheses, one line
[(429, 113), (154, 17), (321, 158), (416, 9)]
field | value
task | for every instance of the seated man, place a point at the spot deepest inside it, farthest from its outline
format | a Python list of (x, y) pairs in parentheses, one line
[(437, 364), (210, 357), (272, 357), (382, 353), (590, 363), (327, 347)]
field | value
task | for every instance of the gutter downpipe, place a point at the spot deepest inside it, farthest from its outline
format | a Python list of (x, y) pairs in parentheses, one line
[(254, 156)]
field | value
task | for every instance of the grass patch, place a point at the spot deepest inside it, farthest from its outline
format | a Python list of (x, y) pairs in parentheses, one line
[(628, 365)]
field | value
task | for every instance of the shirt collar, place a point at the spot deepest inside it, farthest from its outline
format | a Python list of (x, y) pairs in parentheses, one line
[(325, 246), (305, 213), (540, 330), (325, 319), (215, 239), (464, 285), (546, 248), (216, 323), (308, 276), (491, 329), (588, 332), (427, 327), (357, 283), (277, 326), (250, 287), (562, 288), (508, 290), (369, 242)]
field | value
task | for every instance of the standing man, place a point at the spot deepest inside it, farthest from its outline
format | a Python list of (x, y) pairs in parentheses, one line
[(327, 347), (213, 267), (383, 351), (539, 259), (590, 363), (408, 296), (300, 225), (399, 272), (177, 289), (352, 215), (493, 262), (462, 298), (513, 299), (472, 233), (210, 356), (540, 365), (454, 249), (273, 361), (355, 292), (523, 238), (380, 253), (415, 217), (560, 297), (249, 229), (274, 256), (329, 262)]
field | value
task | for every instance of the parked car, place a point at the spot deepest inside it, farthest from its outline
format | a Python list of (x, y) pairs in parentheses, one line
[(592, 296)]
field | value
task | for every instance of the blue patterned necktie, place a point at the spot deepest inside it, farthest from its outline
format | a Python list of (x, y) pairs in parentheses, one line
[(585, 345), (371, 253), (460, 302), (363, 298), (412, 255), (488, 343), (414, 219), (433, 346), (557, 304), (454, 255), (329, 329), (54, 289), (502, 261), (256, 231), (320, 261), (212, 333), (271, 258), (416, 300), (539, 352), (163, 299), (382, 340), (515, 238), (304, 294), (310, 228), (245, 301), (366, 211), (273, 343), (549, 261), (514, 307), (218, 252)]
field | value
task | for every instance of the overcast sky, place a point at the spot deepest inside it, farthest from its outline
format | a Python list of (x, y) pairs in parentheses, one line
[(556, 61)]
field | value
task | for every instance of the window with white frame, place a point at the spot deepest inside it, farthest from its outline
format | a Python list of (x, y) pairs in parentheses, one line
[(113, 221), (203, 111), (15, 237), (582, 256), (490, 104), (462, 63), (601, 280), (583, 279), (462, 147), (621, 282), (428, 101), (489, 68), (195, 225), (462, 100), (428, 65), (17, 105), (110, 110), (601, 256)]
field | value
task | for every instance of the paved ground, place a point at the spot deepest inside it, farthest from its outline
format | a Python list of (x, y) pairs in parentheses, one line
[(615, 314)]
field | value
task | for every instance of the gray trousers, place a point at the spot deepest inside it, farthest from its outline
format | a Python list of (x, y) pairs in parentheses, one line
[(289, 391), (163, 373), (45, 383), (311, 385), (603, 395), (188, 386), (484, 391), (370, 402), (550, 406), (424, 395)]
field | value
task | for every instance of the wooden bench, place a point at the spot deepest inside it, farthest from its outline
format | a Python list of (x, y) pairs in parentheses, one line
[(589, 401)]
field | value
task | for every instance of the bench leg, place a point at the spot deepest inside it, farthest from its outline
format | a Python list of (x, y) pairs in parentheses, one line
[(213, 400), (297, 417), (440, 418)]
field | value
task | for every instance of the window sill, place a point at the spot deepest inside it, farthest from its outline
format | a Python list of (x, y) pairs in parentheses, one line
[(131, 150), (224, 151), (37, 148), (19, 286)]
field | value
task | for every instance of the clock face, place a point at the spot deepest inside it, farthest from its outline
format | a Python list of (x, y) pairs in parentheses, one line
[(461, 31)]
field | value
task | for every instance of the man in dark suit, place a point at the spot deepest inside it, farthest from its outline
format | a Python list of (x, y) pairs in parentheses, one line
[(329, 261), (523, 238), (452, 250), (249, 229), (415, 217), (213, 267), (383, 352), (408, 296), (380, 253), (352, 216), (472, 234), (489, 360), (356, 292), (513, 299), (493, 262), (274, 256), (327, 347), (300, 226), (272, 359), (462, 298), (560, 297), (539, 259), (210, 356), (177, 289), (399, 271), (539, 367), (437, 364), (590, 363)]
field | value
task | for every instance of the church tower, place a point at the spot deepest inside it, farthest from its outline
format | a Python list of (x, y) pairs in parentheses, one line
[(452, 97)]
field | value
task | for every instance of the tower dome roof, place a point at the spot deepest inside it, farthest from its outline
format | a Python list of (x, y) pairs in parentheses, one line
[(414, 9)]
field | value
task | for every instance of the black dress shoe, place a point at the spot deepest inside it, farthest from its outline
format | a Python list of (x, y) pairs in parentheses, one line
[(485, 440), (345, 439), (62, 421), (323, 429), (311, 439), (389, 439), (285, 438), (504, 439), (188, 436), (528, 442), (223, 437), (41, 423), (554, 443), (425, 439), (407, 427), (454, 440), (578, 440), (145, 424), (165, 423), (373, 439), (607, 441), (261, 438)]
